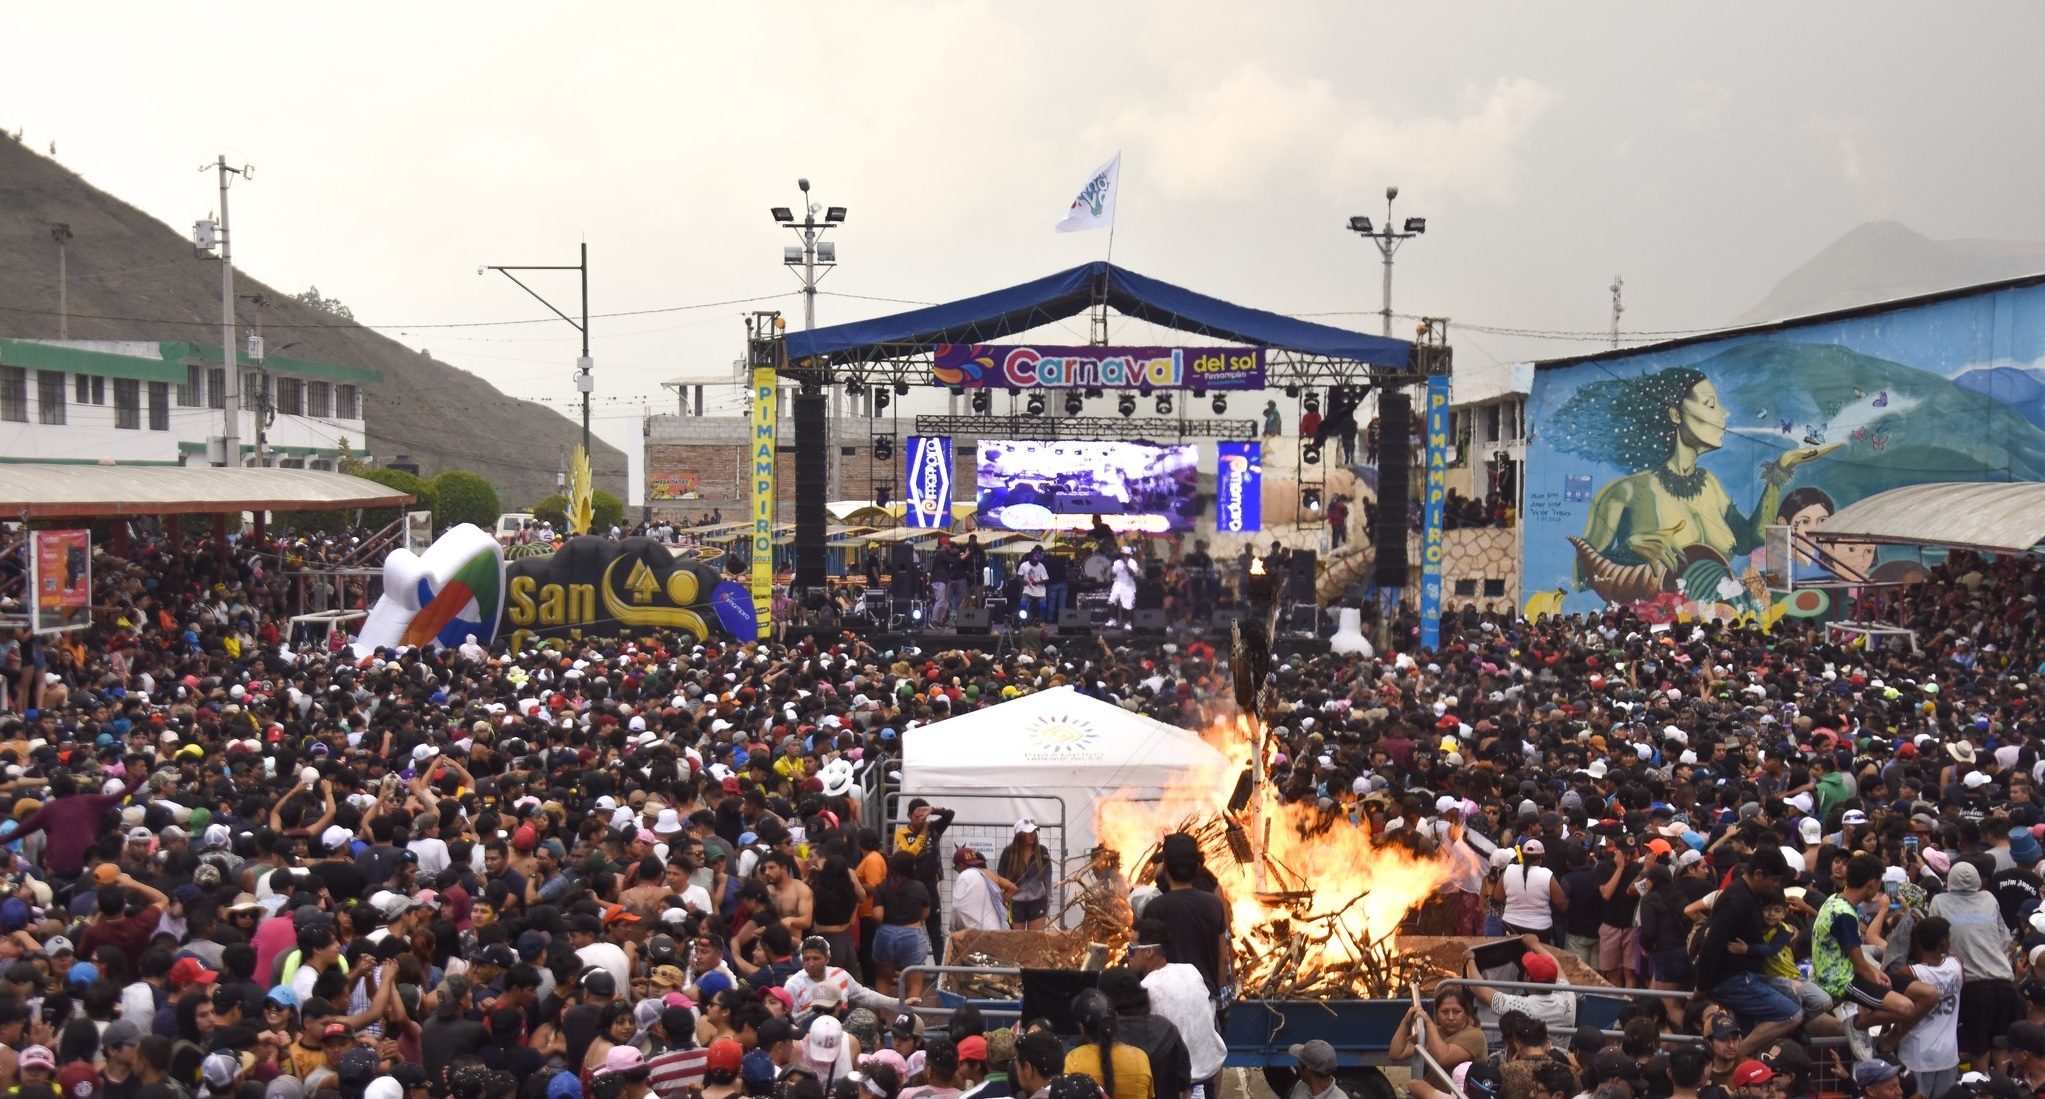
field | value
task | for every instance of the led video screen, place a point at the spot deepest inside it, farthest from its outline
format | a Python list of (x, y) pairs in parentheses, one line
[(1027, 485)]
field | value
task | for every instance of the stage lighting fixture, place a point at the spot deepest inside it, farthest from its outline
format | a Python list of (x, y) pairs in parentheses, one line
[(883, 448), (883, 494), (1313, 401), (1164, 404), (1126, 404), (1092, 393), (901, 388), (880, 400), (1292, 391), (958, 391), (916, 614), (1074, 404), (1310, 499), (1220, 405), (1144, 392), (1022, 614), (1199, 392), (983, 401), (1035, 407), (854, 387), (1310, 454)]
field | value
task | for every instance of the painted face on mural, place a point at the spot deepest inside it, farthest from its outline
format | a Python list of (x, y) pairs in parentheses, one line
[(1800, 526), (1700, 417)]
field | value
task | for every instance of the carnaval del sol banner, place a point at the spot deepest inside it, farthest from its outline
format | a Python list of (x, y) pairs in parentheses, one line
[(996, 366), (1431, 546), (928, 480), (61, 564), (600, 587), (1239, 487)]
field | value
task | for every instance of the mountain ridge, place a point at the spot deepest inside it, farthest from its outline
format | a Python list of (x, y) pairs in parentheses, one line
[(132, 277)]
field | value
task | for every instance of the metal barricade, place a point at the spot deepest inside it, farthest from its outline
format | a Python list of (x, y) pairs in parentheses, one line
[(989, 837), (902, 989)]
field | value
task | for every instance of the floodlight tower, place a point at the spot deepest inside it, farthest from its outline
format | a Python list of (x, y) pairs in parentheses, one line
[(1388, 242)]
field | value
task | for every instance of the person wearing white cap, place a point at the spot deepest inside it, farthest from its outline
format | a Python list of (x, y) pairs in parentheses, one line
[(1025, 863)]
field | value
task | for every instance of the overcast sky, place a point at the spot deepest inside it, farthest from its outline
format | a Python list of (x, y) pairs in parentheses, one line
[(1702, 152)]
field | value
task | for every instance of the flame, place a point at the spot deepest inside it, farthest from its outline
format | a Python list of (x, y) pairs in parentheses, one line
[(1256, 566), (1337, 873)]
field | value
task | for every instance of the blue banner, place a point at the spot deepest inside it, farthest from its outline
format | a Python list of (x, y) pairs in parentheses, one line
[(927, 481), (1239, 488), (1430, 518)]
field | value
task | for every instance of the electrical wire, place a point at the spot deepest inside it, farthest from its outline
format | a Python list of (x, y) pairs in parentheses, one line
[(361, 325)]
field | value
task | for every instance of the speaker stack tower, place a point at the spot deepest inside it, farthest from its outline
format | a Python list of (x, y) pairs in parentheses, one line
[(812, 478), (1395, 480)]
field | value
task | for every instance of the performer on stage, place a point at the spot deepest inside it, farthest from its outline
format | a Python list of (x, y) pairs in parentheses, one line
[(1122, 590)]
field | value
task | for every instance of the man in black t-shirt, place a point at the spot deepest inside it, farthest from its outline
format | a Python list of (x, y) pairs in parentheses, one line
[(1196, 918)]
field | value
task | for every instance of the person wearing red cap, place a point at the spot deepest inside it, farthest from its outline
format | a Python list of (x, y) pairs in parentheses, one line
[(1552, 1006), (1753, 1080)]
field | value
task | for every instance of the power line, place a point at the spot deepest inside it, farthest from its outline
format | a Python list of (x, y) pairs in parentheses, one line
[(360, 325)]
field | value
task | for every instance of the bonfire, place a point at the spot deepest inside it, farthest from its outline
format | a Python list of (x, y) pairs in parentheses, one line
[(1316, 902)]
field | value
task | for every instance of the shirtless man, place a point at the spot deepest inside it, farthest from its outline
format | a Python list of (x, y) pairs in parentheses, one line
[(792, 899)]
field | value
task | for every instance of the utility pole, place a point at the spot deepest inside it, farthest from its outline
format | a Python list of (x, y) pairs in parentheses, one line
[(61, 233), (585, 382), (205, 234), (1618, 307), (258, 355), (1388, 242)]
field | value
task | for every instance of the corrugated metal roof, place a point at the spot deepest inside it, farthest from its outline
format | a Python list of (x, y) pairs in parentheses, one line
[(1995, 517), (31, 490)]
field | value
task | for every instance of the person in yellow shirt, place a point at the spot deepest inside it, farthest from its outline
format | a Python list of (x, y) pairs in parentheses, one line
[(1122, 1070), (792, 766)]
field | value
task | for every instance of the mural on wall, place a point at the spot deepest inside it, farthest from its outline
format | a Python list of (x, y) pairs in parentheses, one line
[(1653, 476)]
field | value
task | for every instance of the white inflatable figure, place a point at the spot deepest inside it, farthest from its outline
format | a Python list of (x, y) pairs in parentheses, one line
[(453, 590), (1349, 639)]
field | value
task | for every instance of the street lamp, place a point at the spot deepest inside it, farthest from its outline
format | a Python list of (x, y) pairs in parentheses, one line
[(1388, 240)]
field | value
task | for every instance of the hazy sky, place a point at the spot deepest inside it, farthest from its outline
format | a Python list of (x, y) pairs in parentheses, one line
[(1702, 151)]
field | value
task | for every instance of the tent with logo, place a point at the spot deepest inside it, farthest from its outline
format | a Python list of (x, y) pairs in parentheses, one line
[(1050, 757)]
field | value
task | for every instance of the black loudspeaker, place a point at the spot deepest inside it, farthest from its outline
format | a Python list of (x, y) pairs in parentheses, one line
[(974, 620), (812, 482), (1301, 573), (1150, 621), (1075, 618), (1395, 477), (1225, 617)]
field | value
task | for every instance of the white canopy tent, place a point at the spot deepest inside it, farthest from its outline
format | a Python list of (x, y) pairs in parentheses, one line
[(1051, 755)]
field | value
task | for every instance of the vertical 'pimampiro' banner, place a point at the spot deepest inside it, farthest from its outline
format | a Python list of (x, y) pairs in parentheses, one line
[(1239, 487), (929, 481), (765, 421), (1431, 514)]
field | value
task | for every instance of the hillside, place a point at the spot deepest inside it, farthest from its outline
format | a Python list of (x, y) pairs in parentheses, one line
[(133, 277), (1883, 260)]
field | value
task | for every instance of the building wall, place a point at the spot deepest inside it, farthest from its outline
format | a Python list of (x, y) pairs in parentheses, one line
[(711, 453), (1793, 422)]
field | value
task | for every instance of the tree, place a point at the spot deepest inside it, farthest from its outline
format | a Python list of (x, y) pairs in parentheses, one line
[(464, 497), (378, 518), (605, 509), (348, 461), (331, 306), (553, 509)]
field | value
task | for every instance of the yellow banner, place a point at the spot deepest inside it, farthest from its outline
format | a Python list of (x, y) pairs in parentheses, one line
[(765, 424)]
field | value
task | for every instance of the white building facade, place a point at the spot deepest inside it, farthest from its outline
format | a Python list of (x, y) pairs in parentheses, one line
[(144, 403)]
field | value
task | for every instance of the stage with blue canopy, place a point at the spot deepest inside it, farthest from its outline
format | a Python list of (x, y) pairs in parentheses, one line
[(988, 317)]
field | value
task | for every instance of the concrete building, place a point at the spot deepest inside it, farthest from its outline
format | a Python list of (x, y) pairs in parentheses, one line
[(141, 403)]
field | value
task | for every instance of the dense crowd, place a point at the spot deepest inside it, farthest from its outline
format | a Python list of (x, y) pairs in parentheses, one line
[(233, 868)]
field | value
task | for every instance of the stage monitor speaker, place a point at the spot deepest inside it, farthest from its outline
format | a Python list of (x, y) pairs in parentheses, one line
[(1395, 477), (1075, 618), (812, 481), (1226, 617), (1150, 621), (974, 620)]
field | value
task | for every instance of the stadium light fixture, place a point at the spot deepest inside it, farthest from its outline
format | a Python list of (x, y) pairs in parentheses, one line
[(834, 215), (783, 214)]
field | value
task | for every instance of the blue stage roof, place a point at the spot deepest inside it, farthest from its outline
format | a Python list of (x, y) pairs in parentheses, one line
[(987, 318)]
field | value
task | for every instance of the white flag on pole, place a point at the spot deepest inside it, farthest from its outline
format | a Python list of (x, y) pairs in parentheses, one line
[(1095, 206)]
